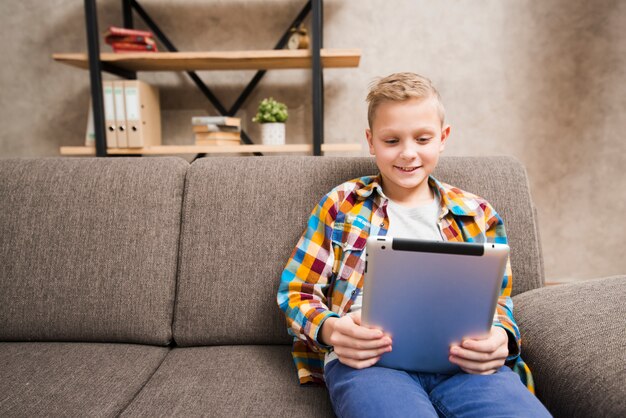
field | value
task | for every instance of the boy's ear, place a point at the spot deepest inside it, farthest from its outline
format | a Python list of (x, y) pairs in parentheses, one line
[(445, 132), (368, 135)]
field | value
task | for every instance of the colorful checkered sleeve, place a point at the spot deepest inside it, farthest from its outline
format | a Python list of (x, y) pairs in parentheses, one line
[(496, 233), (306, 277)]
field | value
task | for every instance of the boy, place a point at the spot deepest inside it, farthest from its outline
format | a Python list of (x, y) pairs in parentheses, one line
[(320, 289)]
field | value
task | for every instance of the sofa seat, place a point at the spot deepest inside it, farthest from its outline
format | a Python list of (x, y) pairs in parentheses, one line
[(73, 379), (236, 380)]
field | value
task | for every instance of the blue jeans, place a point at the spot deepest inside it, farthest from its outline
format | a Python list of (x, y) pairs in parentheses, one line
[(383, 392)]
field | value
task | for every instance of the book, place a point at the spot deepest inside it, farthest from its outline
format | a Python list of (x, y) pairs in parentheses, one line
[(207, 136), (117, 31), (133, 39), (214, 142), (211, 127), (127, 46), (216, 120)]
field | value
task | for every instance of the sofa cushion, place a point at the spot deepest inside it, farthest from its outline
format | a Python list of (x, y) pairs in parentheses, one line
[(575, 344), (235, 381), (73, 379), (88, 248), (241, 220), (243, 216)]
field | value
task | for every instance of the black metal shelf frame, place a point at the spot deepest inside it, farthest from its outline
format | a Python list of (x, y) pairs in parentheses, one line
[(96, 67)]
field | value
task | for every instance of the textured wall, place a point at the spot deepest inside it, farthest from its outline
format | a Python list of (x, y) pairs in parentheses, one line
[(543, 81)]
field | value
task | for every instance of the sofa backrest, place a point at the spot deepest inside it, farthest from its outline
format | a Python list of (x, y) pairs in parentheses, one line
[(88, 248), (242, 217)]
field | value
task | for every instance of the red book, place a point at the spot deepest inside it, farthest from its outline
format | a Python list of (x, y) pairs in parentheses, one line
[(117, 31), (145, 40), (127, 46)]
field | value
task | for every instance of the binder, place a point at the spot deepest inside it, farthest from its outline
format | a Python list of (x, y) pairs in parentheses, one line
[(109, 114), (109, 119), (143, 114), (120, 114), (90, 135)]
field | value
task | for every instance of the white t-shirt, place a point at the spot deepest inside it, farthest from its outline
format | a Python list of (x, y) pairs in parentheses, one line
[(419, 222)]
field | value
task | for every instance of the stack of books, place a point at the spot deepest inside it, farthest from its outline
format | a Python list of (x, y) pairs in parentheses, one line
[(216, 130), (130, 40)]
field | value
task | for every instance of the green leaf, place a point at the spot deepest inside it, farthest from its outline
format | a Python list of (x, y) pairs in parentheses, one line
[(270, 110)]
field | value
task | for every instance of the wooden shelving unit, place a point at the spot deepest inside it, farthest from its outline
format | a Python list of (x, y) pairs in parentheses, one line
[(217, 60), (204, 149), (221, 60), (126, 66)]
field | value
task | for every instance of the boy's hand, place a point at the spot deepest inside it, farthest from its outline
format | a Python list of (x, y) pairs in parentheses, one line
[(355, 345), (482, 356)]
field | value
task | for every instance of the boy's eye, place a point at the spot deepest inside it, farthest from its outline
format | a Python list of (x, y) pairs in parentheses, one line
[(391, 141), (423, 139)]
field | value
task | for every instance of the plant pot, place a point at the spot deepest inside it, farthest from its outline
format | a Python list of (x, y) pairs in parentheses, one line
[(273, 133)]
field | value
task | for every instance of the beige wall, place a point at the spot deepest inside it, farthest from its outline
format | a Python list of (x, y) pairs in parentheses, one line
[(543, 81)]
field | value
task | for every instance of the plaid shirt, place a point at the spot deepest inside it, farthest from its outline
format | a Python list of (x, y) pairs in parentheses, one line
[(325, 270)]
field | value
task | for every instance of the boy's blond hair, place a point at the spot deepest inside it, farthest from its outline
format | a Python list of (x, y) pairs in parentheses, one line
[(399, 87)]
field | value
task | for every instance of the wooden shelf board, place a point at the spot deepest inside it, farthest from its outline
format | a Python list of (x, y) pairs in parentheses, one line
[(217, 60), (215, 149)]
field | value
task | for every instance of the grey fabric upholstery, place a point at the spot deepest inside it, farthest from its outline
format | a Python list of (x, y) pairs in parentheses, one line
[(235, 381), (236, 236), (574, 340), (243, 216), (88, 248), (73, 379)]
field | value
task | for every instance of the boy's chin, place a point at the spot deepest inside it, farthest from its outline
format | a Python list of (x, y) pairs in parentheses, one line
[(408, 184), (411, 177)]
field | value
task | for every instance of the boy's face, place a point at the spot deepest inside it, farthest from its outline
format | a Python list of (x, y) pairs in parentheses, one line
[(406, 138)]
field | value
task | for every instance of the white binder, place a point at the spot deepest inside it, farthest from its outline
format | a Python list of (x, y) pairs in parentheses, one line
[(120, 114), (109, 119), (109, 114)]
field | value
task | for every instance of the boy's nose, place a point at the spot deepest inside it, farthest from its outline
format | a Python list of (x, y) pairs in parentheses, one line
[(409, 152)]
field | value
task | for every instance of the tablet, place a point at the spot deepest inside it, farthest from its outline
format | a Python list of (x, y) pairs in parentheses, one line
[(428, 295)]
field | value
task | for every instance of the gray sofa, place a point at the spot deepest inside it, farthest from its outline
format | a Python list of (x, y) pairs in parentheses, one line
[(146, 287)]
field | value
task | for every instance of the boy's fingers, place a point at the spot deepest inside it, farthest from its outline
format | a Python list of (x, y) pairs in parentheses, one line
[(483, 346), (346, 340), (356, 364), (356, 317), (488, 345), (360, 355), (356, 331), (499, 353), (474, 367), (363, 333)]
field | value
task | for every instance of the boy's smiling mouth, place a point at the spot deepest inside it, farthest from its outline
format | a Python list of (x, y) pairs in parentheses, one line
[(406, 169)]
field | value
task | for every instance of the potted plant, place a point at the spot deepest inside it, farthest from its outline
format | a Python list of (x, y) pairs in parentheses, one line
[(272, 116)]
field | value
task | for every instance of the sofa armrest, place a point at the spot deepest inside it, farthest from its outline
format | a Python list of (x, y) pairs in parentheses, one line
[(574, 340)]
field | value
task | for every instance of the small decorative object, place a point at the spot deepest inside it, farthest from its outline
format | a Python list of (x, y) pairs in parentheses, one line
[(272, 116), (299, 38)]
